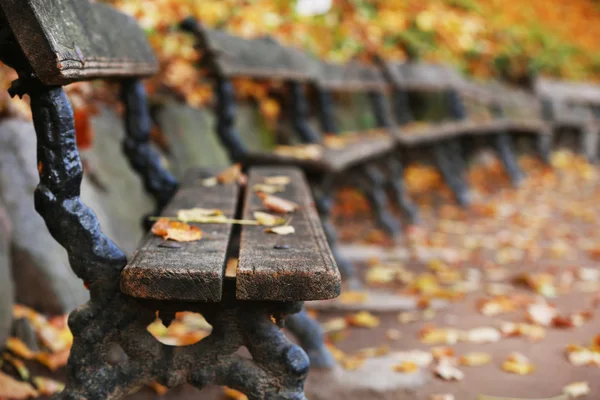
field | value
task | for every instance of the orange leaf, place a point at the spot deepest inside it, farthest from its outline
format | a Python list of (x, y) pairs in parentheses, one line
[(19, 348), (53, 361), (84, 133), (177, 231), (277, 204), (230, 175)]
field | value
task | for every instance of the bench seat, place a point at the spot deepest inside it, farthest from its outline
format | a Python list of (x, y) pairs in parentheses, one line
[(300, 268), (336, 154), (419, 133)]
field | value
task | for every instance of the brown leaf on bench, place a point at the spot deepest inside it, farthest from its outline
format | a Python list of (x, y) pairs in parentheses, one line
[(230, 175), (177, 231), (277, 204)]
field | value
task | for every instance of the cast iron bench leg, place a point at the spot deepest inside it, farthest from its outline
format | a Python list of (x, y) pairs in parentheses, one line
[(544, 147), (507, 156), (277, 369), (373, 186), (311, 338), (143, 159), (589, 142), (324, 203), (451, 172), (396, 185)]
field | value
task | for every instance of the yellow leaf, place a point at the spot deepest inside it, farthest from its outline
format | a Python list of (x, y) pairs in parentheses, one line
[(363, 319), (267, 219), (53, 361), (16, 346), (234, 394), (200, 214), (406, 367), (282, 230), (280, 180), (269, 189), (518, 364), (475, 359), (47, 386), (577, 389)]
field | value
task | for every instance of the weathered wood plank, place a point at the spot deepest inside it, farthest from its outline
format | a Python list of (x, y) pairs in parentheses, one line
[(336, 154), (305, 269), (422, 76), (259, 58), (194, 271), (576, 92), (353, 76), (70, 40), (358, 148)]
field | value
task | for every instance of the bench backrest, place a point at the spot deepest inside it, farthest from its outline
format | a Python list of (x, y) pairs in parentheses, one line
[(71, 40), (417, 76), (263, 58), (569, 101), (350, 77)]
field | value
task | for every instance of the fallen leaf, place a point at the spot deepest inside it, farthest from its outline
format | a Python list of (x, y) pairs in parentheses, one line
[(442, 352), (200, 214), (422, 358), (406, 367), (158, 388), (234, 394), (518, 364), (448, 372), (269, 189), (53, 361), (47, 386), (380, 275), (280, 180), (335, 324), (374, 351), (445, 396), (19, 365), (577, 389), (353, 297), (230, 175), (406, 317), (20, 349), (10, 388), (277, 204), (177, 231), (282, 230), (210, 182), (475, 359), (541, 313), (393, 334), (483, 335), (579, 356), (440, 336), (530, 331), (363, 319), (231, 268)]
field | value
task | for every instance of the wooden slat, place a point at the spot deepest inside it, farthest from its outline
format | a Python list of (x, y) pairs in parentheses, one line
[(576, 92), (260, 58), (422, 76), (305, 270), (363, 146), (353, 76), (193, 272), (70, 40)]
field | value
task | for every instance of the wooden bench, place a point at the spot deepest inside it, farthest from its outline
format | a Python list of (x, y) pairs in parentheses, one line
[(473, 110), (275, 273), (227, 57), (572, 108)]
